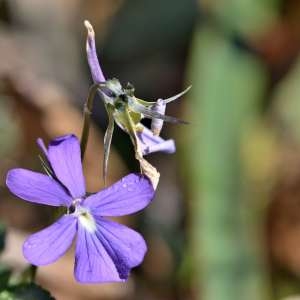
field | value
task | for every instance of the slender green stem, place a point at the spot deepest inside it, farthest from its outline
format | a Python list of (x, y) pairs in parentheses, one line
[(87, 111), (132, 131), (134, 139), (107, 140)]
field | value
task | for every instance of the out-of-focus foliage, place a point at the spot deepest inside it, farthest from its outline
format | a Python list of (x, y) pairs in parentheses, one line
[(2, 236), (146, 43), (25, 292), (248, 17), (5, 273), (236, 150), (18, 288), (287, 103), (235, 200), (222, 106)]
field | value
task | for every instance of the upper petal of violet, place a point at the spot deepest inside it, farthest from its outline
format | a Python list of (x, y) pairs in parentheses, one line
[(130, 194), (49, 244), (64, 157), (92, 57), (36, 187)]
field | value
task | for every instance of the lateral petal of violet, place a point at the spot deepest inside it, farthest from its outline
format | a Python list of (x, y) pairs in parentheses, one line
[(36, 187), (64, 157), (130, 194), (92, 262), (49, 244), (125, 246), (92, 57), (151, 143)]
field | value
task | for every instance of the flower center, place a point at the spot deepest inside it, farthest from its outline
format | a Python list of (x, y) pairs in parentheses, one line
[(86, 219), (74, 205), (83, 214)]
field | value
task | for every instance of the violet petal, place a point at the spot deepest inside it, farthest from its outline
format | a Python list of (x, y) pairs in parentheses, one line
[(151, 143), (125, 246), (92, 57), (130, 194), (108, 254), (92, 262), (42, 146), (64, 157), (49, 244), (36, 187)]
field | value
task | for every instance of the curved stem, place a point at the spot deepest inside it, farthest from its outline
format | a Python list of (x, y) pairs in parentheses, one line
[(107, 141), (87, 111)]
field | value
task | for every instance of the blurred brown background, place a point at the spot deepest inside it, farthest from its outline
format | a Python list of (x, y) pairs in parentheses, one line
[(225, 223)]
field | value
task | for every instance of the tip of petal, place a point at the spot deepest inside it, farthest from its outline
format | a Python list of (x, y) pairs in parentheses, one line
[(89, 27), (42, 146), (61, 139)]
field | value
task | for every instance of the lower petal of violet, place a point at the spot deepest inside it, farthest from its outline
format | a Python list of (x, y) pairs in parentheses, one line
[(151, 143), (108, 254), (49, 244), (92, 262), (125, 246)]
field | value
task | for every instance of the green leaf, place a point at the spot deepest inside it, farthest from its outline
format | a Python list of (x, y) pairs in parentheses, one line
[(27, 276), (26, 292), (5, 272), (148, 113), (225, 227), (2, 236), (6, 295)]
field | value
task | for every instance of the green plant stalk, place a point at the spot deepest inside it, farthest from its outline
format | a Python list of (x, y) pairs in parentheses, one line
[(87, 111), (227, 87), (107, 141)]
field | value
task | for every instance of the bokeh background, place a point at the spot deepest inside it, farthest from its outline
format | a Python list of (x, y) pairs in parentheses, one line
[(225, 223)]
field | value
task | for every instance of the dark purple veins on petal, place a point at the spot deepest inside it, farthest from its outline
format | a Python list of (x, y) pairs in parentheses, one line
[(109, 253), (47, 245), (36, 187), (92, 263), (65, 160), (125, 246)]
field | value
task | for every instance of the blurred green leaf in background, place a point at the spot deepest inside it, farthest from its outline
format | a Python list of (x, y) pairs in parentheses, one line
[(225, 105)]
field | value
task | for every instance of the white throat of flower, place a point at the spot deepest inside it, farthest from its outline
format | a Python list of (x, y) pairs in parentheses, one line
[(84, 216), (87, 220)]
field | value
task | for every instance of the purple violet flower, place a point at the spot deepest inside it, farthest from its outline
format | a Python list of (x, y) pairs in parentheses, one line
[(105, 250), (149, 142), (152, 143), (92, 57)]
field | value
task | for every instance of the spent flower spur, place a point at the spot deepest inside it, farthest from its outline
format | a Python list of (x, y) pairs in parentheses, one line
[(124, 108), (105, 250)]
